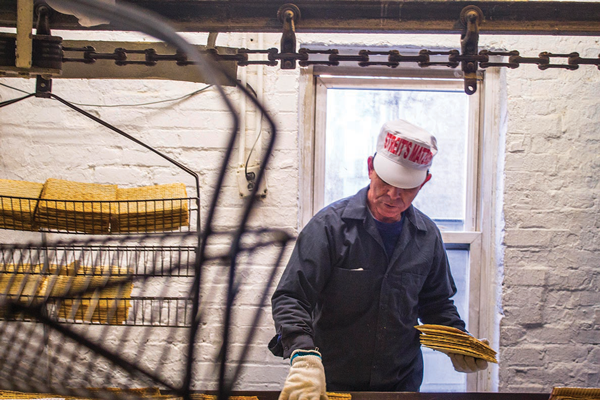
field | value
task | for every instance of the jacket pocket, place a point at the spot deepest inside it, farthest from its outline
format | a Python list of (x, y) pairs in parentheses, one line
[(408, 299)]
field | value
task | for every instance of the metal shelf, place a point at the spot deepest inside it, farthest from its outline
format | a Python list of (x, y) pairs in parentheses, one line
[(137, 260), (98, 281), (101, 283), (172, 312)]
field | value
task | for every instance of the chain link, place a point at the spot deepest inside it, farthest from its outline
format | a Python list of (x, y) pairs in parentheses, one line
[(332, 57)]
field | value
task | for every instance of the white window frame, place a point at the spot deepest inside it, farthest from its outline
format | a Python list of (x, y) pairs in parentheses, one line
[(482, 219)]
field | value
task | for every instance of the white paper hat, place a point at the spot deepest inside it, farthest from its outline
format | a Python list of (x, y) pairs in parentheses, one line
[(404, 154)]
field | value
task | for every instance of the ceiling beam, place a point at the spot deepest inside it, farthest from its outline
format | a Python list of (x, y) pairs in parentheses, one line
[(357, 16)]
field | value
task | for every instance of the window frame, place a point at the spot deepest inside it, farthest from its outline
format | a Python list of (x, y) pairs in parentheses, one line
[(482, 219)]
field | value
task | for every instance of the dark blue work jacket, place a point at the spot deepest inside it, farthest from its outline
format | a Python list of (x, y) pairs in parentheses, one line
[(341, 293)]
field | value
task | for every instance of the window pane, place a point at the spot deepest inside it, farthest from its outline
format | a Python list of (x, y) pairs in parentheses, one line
[(354, 118), (459, 265), (439, 374)]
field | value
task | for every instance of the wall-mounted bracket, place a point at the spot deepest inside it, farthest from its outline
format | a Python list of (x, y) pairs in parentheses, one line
[(45, 51), (471, 17), (43, 87), (288, 14)]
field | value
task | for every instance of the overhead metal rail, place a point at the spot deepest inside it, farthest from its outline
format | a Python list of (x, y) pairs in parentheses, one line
[(360, 16), (467, 18)]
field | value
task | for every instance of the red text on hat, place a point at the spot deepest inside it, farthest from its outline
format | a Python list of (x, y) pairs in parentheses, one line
[(408, 150)]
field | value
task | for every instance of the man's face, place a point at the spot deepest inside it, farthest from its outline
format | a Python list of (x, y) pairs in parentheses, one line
[(386, 202)]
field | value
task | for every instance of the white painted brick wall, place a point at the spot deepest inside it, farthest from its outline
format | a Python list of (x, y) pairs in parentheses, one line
[(550, 330), (551, 297)]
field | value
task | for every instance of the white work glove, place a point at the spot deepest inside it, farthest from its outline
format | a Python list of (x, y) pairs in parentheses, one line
[(468, 364), (306, 379)]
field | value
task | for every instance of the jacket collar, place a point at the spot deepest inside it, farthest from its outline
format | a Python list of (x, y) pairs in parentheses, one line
[(357, 209)]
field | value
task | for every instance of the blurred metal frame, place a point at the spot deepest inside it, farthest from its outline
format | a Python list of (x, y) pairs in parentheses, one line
[(27, 342)]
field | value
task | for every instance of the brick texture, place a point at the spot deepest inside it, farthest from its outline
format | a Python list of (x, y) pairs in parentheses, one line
[(551, 204)]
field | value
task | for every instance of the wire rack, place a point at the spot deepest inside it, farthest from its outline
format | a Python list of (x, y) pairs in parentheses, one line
[(92, 215), (140, 260), (52, 275), (136, 260), (102, 314), (26, 272)]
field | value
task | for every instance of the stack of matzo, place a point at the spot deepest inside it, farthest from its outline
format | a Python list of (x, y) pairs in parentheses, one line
[(152, 208), (451, 340), (87, 296), (148, 393), (75, 206), (106, 306), (62, 205), (17, 213), (21, 283), (570, 393), (81, 292), (204, 396)]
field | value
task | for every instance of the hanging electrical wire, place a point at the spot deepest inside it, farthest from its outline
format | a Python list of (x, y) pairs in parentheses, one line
[(185, 96), (258, 134), (14, 88)]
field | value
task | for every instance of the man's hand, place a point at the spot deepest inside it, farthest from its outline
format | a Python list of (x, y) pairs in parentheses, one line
[(468, 364), (306, 379)]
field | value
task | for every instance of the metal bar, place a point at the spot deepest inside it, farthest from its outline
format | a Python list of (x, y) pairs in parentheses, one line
[(24, 39), (394, 16), (122, 133)]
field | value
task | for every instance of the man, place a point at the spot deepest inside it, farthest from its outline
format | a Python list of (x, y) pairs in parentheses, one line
[(362, 273)]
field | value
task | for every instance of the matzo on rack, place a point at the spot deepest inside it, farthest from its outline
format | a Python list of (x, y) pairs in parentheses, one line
[(152, 208), (76, 206), (18, 200)]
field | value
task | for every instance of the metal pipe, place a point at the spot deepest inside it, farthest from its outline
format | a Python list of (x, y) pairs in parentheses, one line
[(260, 78)]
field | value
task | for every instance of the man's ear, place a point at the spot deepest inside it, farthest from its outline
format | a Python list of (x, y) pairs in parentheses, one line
[(427, 178), (370, 163)]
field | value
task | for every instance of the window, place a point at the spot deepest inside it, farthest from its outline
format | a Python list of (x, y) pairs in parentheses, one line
[(355, 111), (343, 127)]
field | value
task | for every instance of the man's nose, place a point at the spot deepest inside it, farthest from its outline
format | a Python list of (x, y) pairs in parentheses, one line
[(394, 192)]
